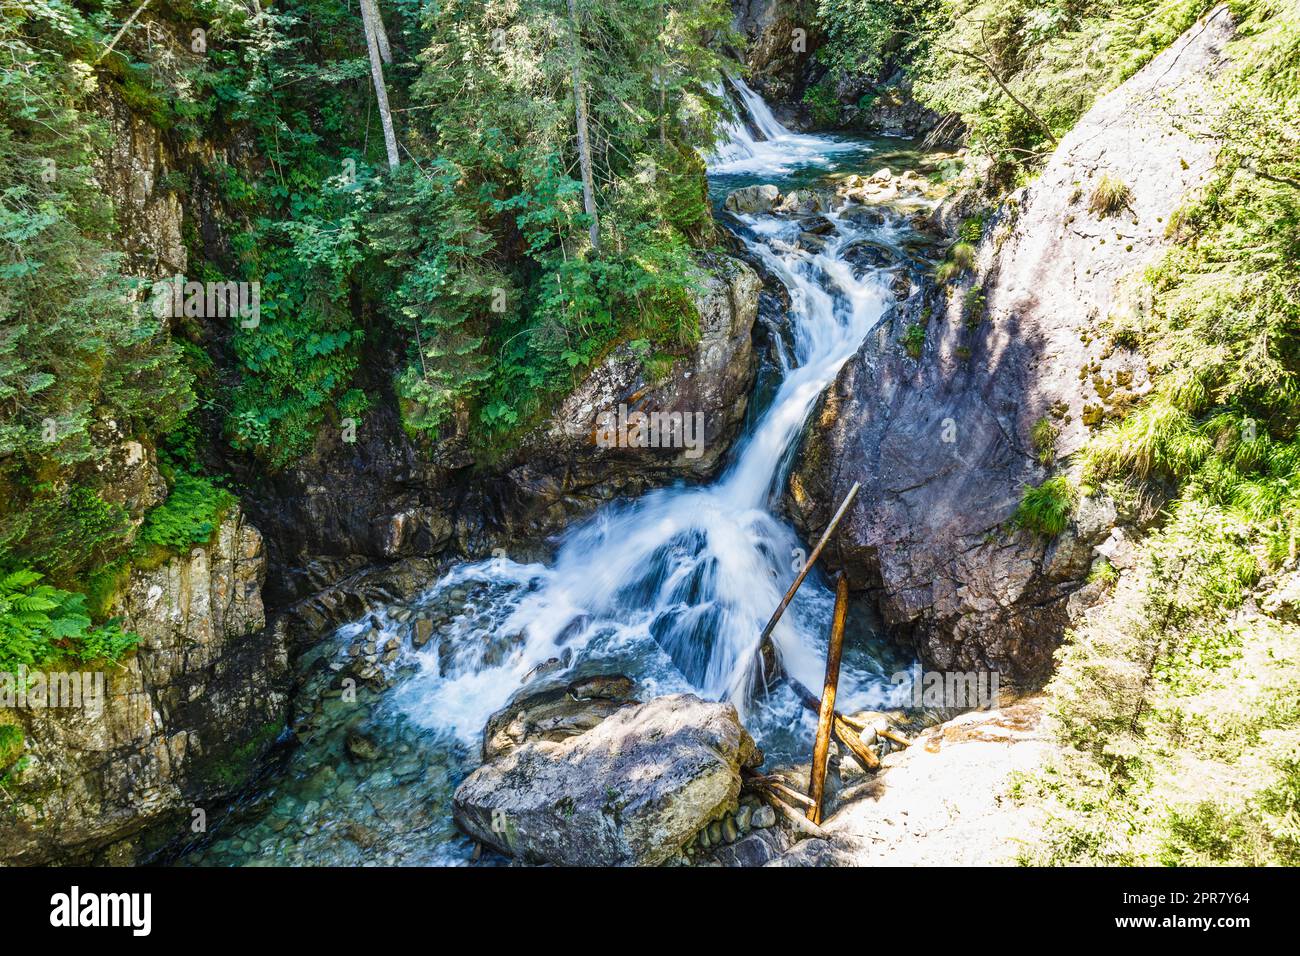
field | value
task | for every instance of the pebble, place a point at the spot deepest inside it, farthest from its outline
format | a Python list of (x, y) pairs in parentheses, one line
[(764, 817), (729, 831)]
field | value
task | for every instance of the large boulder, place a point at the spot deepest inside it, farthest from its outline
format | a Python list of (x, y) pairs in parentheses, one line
[(945, 443), (752, 199), (631, 791)]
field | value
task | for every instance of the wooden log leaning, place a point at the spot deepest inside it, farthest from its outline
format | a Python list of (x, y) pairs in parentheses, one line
[(841, 730), (766, 637), (826, 714)]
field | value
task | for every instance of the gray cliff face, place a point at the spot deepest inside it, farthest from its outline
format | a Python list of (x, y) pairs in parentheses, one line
[(183, 719), (942, 445)]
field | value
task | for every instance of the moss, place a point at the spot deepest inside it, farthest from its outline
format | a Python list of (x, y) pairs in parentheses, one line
[(238, 766), (12, 745), (1110, 196)]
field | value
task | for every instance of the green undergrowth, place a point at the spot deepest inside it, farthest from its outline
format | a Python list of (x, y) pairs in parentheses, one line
[(1176, 701)]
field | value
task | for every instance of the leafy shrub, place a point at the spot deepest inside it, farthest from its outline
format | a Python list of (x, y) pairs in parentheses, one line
[(189, 516), (1043, 435), (914, 340), (40, 623)]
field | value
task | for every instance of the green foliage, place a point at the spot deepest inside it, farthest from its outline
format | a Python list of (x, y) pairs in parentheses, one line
[(1056, 56), (189, 516), (870, 38), (11, 746), (82, 368), (824, 104), (485, 246), (40, 623), (1047, 509), (914, 340)]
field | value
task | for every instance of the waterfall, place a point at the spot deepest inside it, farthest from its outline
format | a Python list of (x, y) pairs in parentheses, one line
[(775, 150), (674, 587)]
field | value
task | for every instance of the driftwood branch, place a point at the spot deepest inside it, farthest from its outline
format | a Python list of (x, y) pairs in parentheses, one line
[(766, 636), (120, 33)]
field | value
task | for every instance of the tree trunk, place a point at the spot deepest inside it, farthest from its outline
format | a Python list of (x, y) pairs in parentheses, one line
[(373, 25), (584, 141)]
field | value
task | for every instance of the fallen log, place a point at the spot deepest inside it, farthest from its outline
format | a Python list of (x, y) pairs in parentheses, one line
[(894, 736), (826, 713), (842, 731), (799, 821), (781, 789)]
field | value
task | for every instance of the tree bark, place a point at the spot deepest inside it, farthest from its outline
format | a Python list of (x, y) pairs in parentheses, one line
[(373, 25), (584, 140)]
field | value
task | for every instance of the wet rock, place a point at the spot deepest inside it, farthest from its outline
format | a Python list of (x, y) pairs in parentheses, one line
[(631, 791), (802, 202), (361, 747), (811, 242), (752, 199), (764, 817), (422, 633), (818, 226), (554, 711), (864, 255)]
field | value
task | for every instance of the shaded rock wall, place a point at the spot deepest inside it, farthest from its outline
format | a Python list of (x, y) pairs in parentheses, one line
[(942, 445)]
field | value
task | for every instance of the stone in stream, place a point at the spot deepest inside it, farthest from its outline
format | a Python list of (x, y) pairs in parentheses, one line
[(752, 199), (422, 633), (633, 790), (554, 711)]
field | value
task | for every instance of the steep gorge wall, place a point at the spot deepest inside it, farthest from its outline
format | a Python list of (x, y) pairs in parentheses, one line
[(943, 444)]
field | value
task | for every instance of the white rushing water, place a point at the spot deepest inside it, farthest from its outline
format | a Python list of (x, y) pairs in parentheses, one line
[(774, 150), (675, 587)]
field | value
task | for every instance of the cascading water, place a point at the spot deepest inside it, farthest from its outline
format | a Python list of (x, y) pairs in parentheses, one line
[(774, 150), (672, 589), (681, 581)]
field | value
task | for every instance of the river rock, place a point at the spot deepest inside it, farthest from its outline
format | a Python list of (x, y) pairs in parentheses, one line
[(633, 790), (752, 199), (554, 711)]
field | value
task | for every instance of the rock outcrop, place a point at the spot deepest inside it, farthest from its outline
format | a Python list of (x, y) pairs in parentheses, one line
[(383, 499), (944, 444), (632, 790), (181, 723)]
